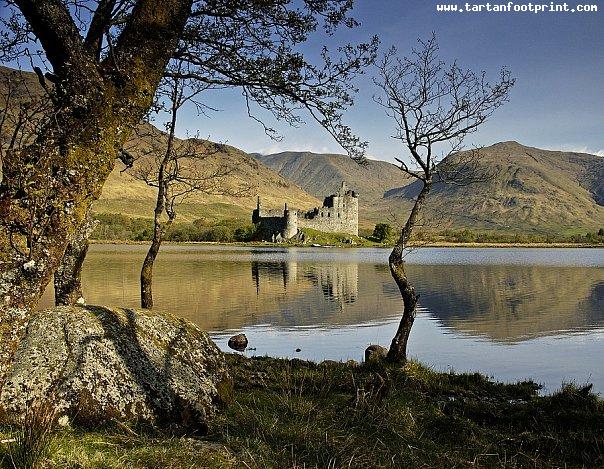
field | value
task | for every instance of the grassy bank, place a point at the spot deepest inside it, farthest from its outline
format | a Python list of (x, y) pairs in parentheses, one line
[(123, 229), (290, 413)]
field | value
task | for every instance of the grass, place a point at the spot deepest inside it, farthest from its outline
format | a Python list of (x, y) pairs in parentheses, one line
[(336, 239), (291, 413), (31, 441)]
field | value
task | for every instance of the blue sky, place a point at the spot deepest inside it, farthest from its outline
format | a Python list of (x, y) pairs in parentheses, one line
[(557, 58)]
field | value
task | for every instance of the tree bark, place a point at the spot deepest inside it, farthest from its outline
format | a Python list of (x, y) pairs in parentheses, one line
[(398, 347), (159, 230), (147, 274), (48, 187), (68, 277)]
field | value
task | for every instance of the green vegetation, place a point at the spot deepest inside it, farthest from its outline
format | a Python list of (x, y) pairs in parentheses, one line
[(114, 226), (469, 236), (291, 413), (32, 441), (382, 232), (120, 227), (335, 239)]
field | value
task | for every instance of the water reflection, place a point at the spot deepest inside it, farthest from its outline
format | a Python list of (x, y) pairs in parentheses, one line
[(328, 288), (511, 313), (511, 303), (339, 283)]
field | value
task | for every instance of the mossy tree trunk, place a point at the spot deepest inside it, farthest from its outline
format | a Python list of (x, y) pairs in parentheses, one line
[(68, 277), (398, 346), (47, 188)]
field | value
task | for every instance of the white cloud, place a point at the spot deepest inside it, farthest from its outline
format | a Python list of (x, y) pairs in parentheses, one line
[(278, 147), (578, 149)]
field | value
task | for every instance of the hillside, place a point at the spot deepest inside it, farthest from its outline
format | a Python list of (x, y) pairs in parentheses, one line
[(124, 194), (530, 190)]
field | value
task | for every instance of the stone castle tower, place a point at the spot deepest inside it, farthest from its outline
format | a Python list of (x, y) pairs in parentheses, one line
[(339, 214)]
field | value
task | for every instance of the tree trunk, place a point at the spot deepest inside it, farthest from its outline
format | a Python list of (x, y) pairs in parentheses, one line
[(159, 230), (398, 347), (158, 235), (48, 187), (147, 274), (68, 277)]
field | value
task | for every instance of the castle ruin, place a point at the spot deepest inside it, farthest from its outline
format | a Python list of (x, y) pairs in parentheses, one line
[(339, 214)]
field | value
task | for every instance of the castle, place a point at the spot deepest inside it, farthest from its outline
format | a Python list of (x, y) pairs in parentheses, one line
[(339, 214)]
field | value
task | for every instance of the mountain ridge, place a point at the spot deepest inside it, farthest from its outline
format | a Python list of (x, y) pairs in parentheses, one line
[(533, 190), (516, 197)]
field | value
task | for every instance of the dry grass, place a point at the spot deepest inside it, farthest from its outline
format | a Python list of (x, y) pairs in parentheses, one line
[(31, 441), (291, 413)]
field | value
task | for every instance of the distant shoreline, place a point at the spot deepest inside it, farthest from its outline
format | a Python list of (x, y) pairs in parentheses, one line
[(438, 244)]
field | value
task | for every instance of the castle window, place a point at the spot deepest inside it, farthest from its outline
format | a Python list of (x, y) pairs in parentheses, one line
[(328, 214), (338, 214), (321, 213)]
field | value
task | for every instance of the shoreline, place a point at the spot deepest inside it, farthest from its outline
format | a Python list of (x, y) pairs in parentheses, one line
[(436, 244), (293, 413)]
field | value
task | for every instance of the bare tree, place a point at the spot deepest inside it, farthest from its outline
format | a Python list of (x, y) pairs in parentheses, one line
[(177, 169), (432, 105)]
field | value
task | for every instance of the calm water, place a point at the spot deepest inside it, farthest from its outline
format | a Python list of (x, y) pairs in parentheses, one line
[(510, 313)]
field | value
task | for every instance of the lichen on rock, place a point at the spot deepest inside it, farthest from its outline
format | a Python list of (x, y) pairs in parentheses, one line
[(105, 364)]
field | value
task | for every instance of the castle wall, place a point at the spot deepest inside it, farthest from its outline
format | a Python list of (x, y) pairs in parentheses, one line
[(341, 217), (339, 214), (269, 224)]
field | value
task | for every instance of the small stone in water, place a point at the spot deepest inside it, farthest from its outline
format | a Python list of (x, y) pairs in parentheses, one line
[(238, 342)]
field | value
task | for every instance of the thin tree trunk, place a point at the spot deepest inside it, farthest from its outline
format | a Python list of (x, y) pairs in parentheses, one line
[(398, 347), (158, 235), (147, 274), (159, 228), (68, 277), (159, 231)]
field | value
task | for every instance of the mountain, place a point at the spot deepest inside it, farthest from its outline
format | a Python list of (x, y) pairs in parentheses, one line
[(123, 193), (322, 174), (532, 190), (529, 189)]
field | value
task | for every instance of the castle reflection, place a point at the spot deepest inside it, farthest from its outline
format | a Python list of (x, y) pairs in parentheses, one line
[(339, 283), (324, 288)]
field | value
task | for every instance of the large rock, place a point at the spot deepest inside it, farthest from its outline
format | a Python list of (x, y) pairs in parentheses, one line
[(104, 364)]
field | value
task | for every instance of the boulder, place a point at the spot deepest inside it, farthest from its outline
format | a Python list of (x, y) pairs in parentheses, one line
[(238, 342), (375, 353), (101, 365)]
